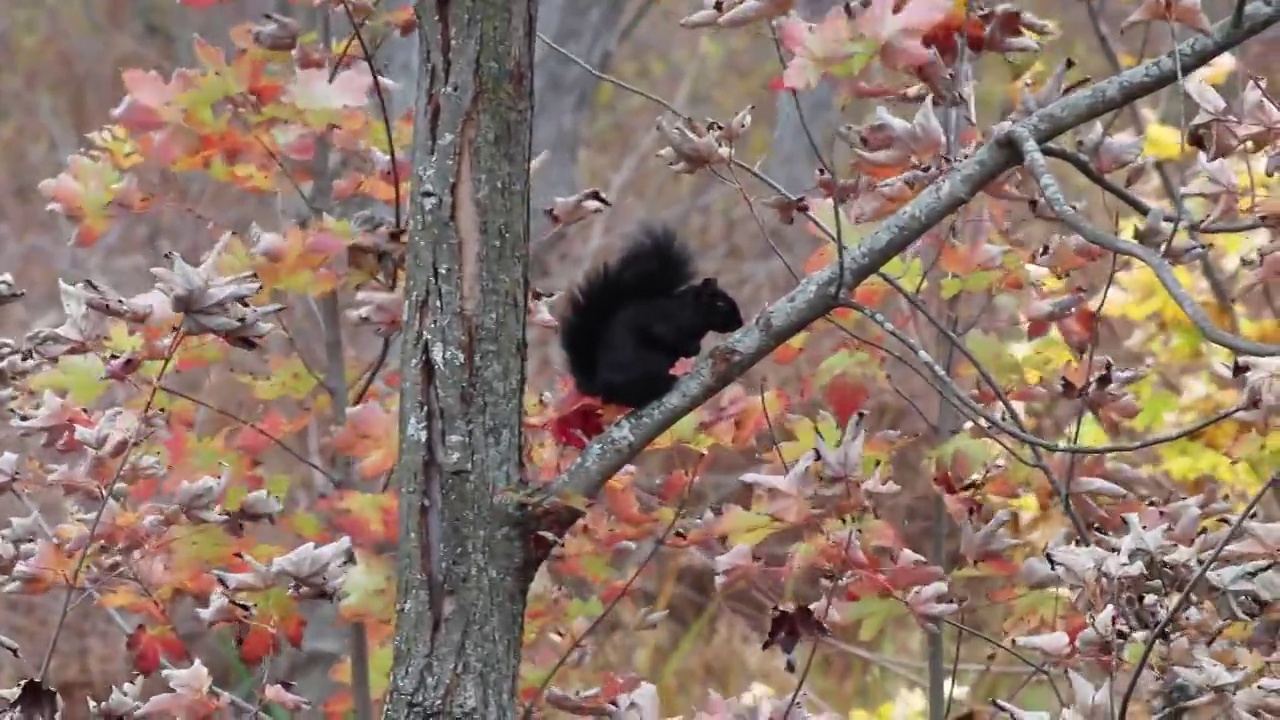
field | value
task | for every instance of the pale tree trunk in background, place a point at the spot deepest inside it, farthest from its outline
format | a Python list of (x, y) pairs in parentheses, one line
[(398, 60), (589, 30), (464, 566), (792, 161)]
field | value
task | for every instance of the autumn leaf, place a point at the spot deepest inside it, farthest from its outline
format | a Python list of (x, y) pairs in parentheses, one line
[(311, 89), (746, 528), (148, 646), (1183, 12), (368, 592), (820, 48), (81, 377), (370, 435), (1163, 142)]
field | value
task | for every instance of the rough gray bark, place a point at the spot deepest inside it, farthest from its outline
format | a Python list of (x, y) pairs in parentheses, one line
[(463, 565)]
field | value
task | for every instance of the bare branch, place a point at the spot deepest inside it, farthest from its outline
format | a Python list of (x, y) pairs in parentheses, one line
[(1039, 167), (1142, 207), (818, 293)]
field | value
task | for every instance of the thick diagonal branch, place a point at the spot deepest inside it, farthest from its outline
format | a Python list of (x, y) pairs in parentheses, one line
[(818, 293)]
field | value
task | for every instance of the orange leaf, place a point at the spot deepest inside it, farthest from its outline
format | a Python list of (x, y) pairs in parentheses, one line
[(821, 258), (790, 350)]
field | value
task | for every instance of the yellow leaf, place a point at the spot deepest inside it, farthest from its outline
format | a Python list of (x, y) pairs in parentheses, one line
[(1163, 142), (744, 527), (1218, 69)]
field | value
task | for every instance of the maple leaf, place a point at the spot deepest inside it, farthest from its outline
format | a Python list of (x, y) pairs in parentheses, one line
[(189, 698), (31, 700), (988, 542), (819, 48), (311, 89), (1183, 12), (691, 146), (369, 589), (148, 105), (370, 434), (845, 459), (148, 646), (123, 701), (281, 694), (785, 496), (367, 517), (788, 627), (255, 643), (898, 28), (735, 13), (84, 193), (566, 211), (928, 605)]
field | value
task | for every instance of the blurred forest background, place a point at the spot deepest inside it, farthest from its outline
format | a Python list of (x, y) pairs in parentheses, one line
[(61, 77)]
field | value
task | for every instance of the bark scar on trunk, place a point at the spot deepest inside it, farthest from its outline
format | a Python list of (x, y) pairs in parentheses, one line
[(467, 220)]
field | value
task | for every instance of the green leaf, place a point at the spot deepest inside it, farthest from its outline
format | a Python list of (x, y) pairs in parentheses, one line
[(289, 378), (369, 587), (874, 613), (993, 354), (1092, 433), (306, 524), (981, 280), (1155, 406), (906, 272), (862, 53), (976, 449), (80, 376), (950, 287), (744, 527), (588, 607)]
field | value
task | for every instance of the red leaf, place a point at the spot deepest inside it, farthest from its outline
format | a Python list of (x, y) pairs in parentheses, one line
[(147, 646), (256, 644), (845, 398), (576, 427), (293, 628)]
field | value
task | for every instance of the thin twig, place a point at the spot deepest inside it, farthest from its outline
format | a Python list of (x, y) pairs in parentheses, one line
[(609, 78), (631, 580), (107, 492), (252, 426), (1185, 598), (1142, 207), (119, 620)]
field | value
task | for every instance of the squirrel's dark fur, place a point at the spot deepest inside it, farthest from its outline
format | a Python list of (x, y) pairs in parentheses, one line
[(630, 320)]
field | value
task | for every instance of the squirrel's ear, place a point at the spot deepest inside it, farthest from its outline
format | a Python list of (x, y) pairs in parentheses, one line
[(708, 284)]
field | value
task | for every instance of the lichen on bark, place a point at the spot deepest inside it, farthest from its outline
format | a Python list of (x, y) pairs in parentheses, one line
[(462, 560)]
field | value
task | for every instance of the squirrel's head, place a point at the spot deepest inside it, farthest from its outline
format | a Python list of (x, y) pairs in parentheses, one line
[(719, 310)]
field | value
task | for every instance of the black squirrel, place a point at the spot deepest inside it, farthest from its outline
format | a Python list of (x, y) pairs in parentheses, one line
[(629, 321)]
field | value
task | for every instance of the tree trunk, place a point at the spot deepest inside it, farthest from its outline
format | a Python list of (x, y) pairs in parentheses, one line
[(464, 568)]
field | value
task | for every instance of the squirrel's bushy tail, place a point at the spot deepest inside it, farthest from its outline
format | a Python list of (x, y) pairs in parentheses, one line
[(655, 264)]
